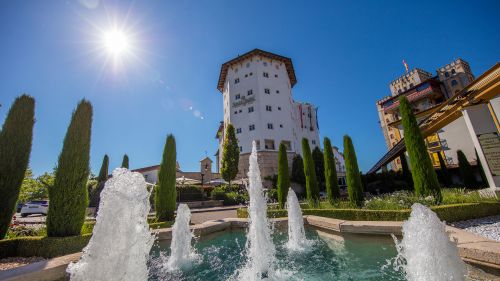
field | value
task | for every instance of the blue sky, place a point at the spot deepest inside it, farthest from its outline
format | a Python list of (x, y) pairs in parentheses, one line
[(344, 52)]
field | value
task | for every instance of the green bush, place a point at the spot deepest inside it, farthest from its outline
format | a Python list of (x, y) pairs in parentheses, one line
[(331, 182), (190, 193), (69, 195), (448, 213), (312, 188), (15, 147), (353, 176), (165, 195), (125, 161), (47, 247), (231, 195)]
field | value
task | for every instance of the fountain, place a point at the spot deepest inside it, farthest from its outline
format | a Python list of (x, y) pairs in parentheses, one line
[(426, 252), (296, 234), (259, 245), (182, 253), (121, 240)]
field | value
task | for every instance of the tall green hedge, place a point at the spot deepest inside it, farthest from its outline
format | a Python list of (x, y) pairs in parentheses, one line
[(331, 180), (312, 188), (125, 161), (353, 176), (319, 166), (68, 196), (425, 180), (298, 170), (230, 155), (165, 195), (283, 176), (466, 173), (15, 147)]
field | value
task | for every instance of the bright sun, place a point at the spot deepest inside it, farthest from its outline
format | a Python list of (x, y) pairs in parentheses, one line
[(116, 42)]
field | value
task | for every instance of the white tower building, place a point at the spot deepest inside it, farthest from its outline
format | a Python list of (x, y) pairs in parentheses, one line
[(257, 97)]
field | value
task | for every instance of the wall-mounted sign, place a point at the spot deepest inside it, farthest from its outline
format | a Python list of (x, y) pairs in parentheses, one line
[(490, 144), (243, 101)]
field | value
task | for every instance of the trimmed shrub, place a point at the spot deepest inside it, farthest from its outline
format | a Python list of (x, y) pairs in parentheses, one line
[(331, 181), (424, 177), (319, 166), (230, 155), (103, 172), (443, 172), (448, 213), (125, 161), (165, 195), (353, 176), (298, 175), (190, 193), (68, 196), (283, 177), (47, 247), (312, 188), (468, 178), (15, 147), (230, 195)]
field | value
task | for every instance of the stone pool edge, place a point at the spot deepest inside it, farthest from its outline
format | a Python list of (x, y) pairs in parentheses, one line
[(474, 249)]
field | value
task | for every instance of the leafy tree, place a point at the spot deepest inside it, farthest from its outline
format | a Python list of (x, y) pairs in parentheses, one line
[(319, 166), (312, 188), (298, 175), (353, 176), (35, 188), (68, 196), (424, 176), (230, 155), (466, 172), (165, 194), (405, 170), (15, 147), (283, 176), (481, 170), (331, 180), (443, 173), (125, 161)]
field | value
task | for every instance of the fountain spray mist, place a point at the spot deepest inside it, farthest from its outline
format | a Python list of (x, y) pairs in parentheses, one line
[(426, 252), (121, 240), (182, 253), (260, 247)]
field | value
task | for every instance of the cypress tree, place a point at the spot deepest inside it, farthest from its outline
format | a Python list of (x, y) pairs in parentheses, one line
[(283, 177), (319, 166), (406, 170), (125, 161), (466, 172), (331, 180), (68, 196), (481, 170), (103, 172), (230, 155), (312, 188), (15, 147), (95, 195), (444, 174), (165, 194), (353, 176), (298, 170), (424, 176)]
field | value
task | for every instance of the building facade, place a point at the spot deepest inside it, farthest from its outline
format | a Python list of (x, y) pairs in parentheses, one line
[(257, 100), (426, 92)]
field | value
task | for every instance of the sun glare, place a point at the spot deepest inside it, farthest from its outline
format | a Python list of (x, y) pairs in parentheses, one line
[(116, 42)]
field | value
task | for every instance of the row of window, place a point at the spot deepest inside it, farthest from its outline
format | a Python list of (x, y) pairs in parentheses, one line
[(250, 92), (251, 109), (264, 74), (251, 127)]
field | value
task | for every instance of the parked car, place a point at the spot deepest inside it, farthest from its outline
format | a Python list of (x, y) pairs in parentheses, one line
[(35, 207), (19, 207)]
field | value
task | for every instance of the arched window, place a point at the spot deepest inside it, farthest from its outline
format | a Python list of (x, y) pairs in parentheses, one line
[(454, 82), (446, 74), (453, 71)]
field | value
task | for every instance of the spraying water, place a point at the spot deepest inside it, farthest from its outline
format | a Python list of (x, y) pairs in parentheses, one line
[(260, 247), (121, 240), (426, 252), (182, 253), (296, 234)]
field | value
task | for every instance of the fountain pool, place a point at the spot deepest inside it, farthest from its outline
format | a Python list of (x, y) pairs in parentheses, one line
[(346, 257)]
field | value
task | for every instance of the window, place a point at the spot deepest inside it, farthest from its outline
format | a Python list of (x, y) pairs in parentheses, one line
[(248, 64), (238, 130), (269, 108), (236, 112), (269, 144), (267, 91), (453, 71), (251, 127), (265, 63), (249, 92), (281, 125), (240, 111), (257, 144), (270, 126), (246, 75), (288, 145), (241, 148), (277, 91), (276, 75), (411, 85), (237, 96), (250, 109), (279, 108), (446, 74), (454, 82), (392, 136), (313, 142), (266, 74), (237, 80), (251, 73)]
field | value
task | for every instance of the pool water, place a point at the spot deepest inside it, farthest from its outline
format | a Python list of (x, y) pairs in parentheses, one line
[(331, 257)]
